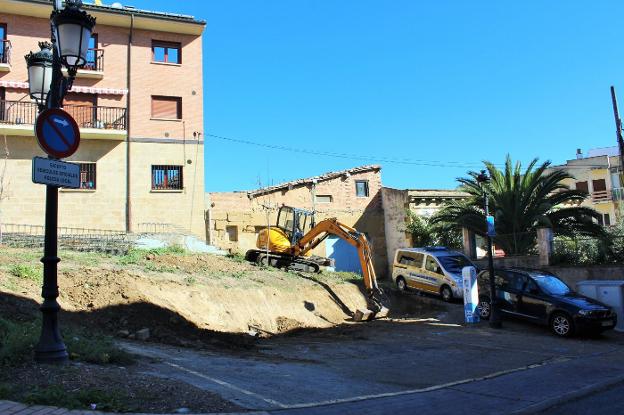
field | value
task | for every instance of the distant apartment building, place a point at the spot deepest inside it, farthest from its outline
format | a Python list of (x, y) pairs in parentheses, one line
[(352, 196), (138, 103), (597, 173)]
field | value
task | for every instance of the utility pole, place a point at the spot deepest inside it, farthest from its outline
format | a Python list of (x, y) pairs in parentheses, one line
[(618, 132)]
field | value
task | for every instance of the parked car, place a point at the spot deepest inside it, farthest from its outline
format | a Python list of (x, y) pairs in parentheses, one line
[(435, 270), (543, 298)]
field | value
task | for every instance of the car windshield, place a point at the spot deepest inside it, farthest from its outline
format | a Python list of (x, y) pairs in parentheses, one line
[(455, 263), (552, 285)]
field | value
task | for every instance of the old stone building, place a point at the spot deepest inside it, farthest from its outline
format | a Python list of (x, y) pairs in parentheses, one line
[(397, 203), (138, 103), (353, 196)]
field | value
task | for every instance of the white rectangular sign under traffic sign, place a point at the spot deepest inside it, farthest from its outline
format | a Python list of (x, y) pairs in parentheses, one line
[(56, 173)]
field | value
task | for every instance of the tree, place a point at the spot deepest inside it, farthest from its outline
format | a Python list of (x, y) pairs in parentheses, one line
[(521, 202), (424, 233)]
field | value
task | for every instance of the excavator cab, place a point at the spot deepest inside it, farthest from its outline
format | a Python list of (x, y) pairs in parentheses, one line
[(294, 222)]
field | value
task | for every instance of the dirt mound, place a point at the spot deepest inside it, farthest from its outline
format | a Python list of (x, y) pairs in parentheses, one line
[(186, 298)]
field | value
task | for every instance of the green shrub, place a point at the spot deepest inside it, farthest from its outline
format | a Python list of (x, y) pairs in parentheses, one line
[(78, 399), (95, 348), (18, 339), (236, 257), (26, 272), (136, 256)]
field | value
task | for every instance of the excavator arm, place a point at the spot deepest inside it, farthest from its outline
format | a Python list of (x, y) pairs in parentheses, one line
[(331, 226)]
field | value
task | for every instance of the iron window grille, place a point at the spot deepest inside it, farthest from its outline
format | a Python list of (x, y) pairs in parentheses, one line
[(167, 178), (87, 176)]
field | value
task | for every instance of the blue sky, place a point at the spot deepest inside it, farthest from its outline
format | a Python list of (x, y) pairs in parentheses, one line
[(438, 85)]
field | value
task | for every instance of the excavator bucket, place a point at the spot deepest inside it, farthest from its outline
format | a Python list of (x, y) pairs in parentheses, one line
[(364, 314)]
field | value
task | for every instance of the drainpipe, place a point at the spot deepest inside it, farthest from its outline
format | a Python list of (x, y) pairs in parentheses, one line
[(128, 86)]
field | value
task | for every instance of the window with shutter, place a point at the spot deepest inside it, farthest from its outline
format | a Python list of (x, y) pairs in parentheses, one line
[(166, 107)]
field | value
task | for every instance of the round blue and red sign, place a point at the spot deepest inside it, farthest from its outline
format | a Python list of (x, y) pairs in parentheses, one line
[(57, 133)]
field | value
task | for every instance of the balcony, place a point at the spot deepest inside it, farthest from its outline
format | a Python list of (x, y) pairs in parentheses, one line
[(618, 193), (5, 55), (18, 118), (600, 196), (94, 68)]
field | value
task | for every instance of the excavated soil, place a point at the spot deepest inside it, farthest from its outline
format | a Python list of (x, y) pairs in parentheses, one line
[(182, 299)]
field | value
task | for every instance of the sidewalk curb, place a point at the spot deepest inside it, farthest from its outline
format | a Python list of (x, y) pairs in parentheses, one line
[(567, 397)]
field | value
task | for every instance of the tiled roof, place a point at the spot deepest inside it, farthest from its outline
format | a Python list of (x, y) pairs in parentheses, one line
[(316, 179)]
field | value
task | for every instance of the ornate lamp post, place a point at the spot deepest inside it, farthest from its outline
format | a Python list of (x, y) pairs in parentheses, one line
[(71, 30), (495, 321)]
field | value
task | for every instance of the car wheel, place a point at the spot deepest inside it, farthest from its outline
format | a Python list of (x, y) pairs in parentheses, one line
[(562, 325), (446, 293), (401, 284), (484, 308)]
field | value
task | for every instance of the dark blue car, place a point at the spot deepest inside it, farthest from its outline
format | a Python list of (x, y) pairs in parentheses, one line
[(542, 298)]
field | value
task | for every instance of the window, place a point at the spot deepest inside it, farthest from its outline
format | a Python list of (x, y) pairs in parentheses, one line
[(599, 185), (2, 105), (167, 52), (92, 53), (582, 186), (4, 53), (323, 198), (361, 188), (167, 178), (607, 219), (232, 232), (168, 108), (414, 260), (432, 265), (87, 176)]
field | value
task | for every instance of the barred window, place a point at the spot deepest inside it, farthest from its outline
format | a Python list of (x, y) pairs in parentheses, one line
[(167, 178), (87, 176)]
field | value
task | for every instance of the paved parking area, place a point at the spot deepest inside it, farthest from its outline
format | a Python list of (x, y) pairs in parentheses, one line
[(397, 361)]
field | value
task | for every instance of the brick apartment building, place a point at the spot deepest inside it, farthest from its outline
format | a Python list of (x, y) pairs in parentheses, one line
[(138, 103), (353, 196)]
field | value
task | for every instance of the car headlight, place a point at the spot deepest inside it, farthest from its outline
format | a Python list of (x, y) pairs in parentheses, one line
[(584, 312)]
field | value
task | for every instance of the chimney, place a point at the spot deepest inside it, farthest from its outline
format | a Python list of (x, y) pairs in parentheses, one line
[(579, 154)]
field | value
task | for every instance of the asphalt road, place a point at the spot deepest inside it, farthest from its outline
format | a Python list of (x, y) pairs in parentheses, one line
[(401, 366), (607, 401)]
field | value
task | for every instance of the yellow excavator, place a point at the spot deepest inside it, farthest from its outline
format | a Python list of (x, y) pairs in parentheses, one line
[(288, 245)]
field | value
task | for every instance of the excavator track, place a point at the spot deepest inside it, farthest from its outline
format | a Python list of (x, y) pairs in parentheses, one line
[(282, 261)]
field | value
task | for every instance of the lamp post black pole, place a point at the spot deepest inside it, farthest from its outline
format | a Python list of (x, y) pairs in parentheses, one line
[(51, 348), (495, 321)]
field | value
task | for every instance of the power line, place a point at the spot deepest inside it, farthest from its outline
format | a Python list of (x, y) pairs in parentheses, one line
[(416, 162)]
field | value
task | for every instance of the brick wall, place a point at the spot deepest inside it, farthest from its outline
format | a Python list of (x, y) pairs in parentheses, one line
[(167, 142), (247, 215)]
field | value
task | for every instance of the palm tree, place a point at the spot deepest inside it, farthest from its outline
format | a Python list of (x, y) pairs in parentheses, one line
[(521, 202)]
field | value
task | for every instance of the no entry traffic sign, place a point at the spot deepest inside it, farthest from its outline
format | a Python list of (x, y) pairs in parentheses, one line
[(57, 133)]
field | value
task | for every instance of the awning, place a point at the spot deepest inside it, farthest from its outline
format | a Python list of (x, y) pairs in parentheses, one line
[(82, 89)]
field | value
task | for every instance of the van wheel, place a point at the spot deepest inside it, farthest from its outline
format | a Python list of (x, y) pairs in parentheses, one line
[(401, 284), (562, 325), (446, 293)]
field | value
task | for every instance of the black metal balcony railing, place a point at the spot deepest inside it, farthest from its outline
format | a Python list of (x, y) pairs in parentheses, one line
[(95, 60), (87, 116), (5, 51)]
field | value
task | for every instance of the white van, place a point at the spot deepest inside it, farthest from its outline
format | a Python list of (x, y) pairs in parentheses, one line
[(435, 270)]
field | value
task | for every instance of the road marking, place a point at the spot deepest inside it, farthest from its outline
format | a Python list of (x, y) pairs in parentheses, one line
[(372, 396), (228, 385)]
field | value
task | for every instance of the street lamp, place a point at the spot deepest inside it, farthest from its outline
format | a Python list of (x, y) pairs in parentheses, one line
[(39, 66), (71, 29), (495, 321)]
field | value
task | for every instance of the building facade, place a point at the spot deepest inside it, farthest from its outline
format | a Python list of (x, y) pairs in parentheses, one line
[(598, 173), (352, 196), (138, 103)]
